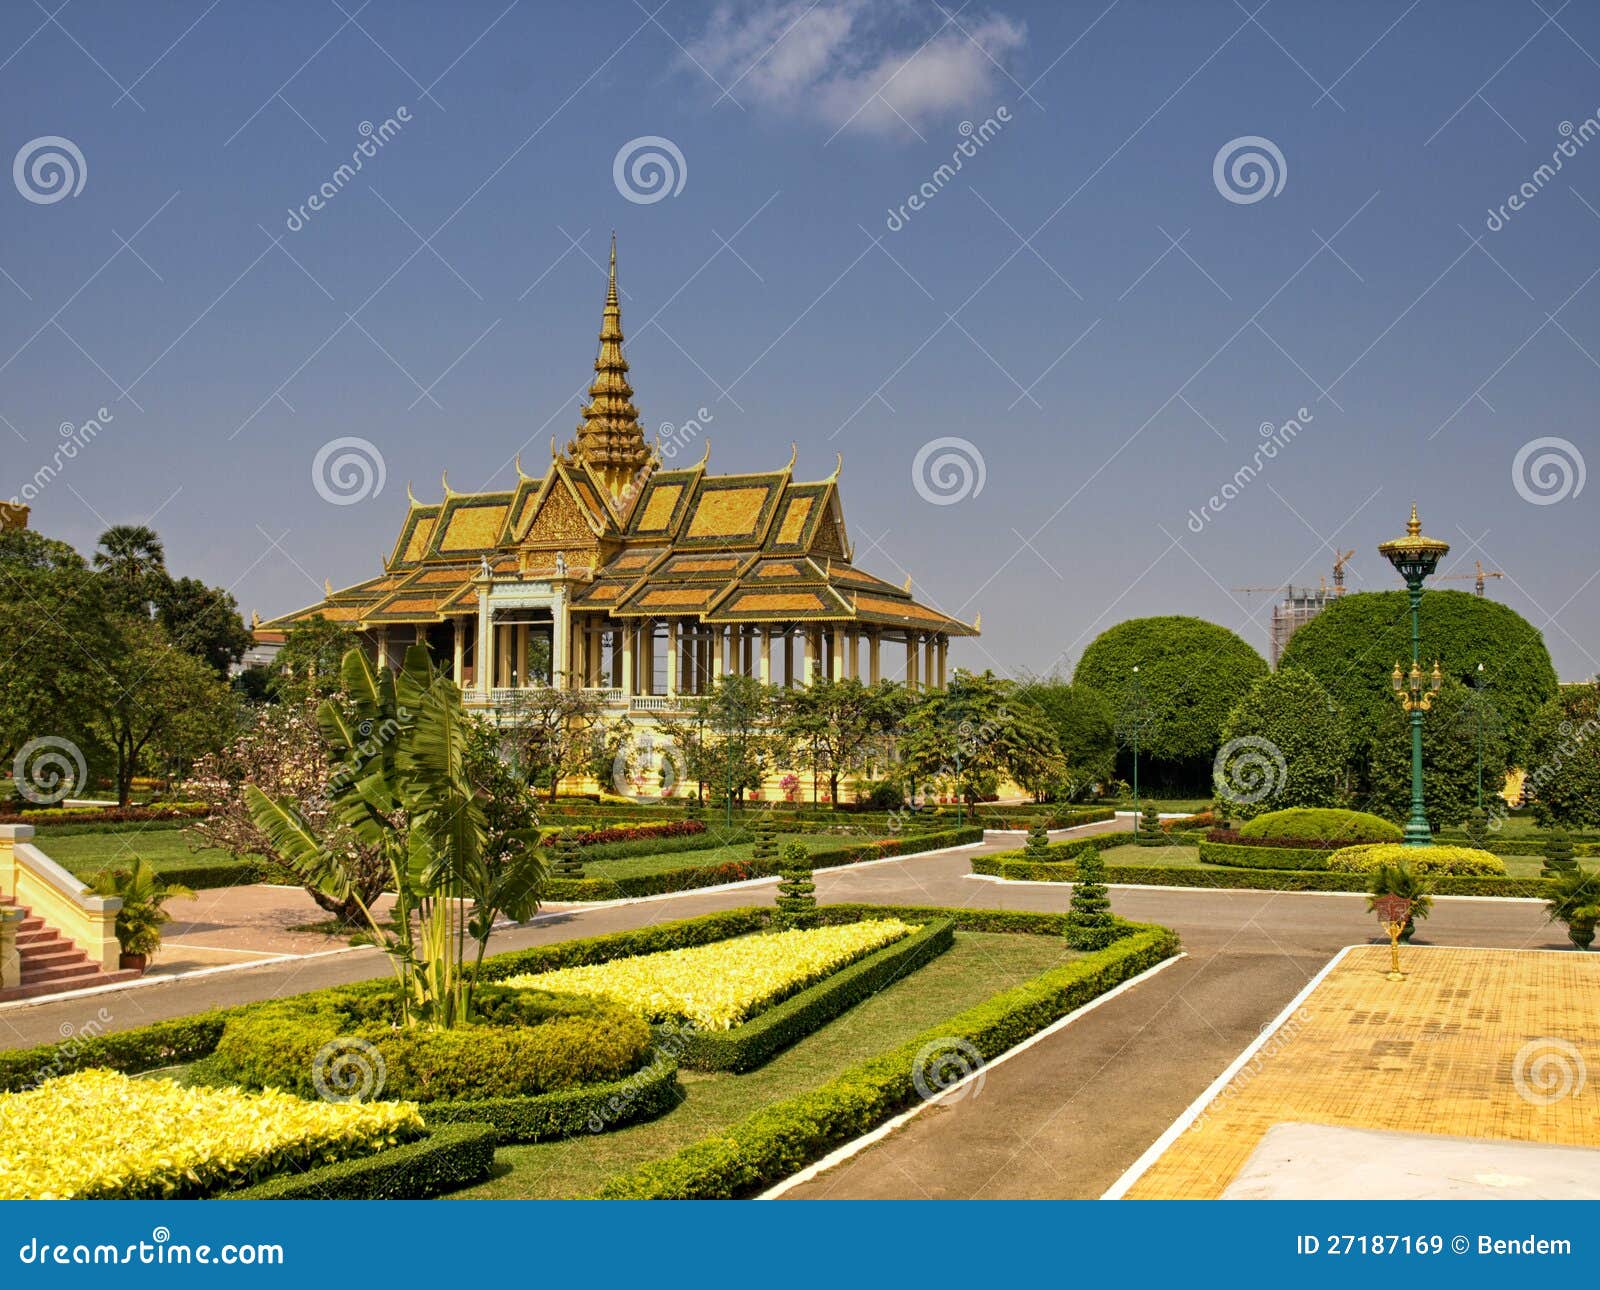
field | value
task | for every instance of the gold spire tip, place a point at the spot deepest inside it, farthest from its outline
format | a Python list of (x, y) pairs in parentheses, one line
[(1413, 525)]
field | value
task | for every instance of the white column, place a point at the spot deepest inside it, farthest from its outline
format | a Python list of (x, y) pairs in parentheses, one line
[(480, 650), (456, 644), (874, 661), (764, 670), (928, 670), (719, 653), (836, 666), (911, 661), (672, 657), (854, 665), (625, 629), (807, 653), (383, 646), (944, 655)]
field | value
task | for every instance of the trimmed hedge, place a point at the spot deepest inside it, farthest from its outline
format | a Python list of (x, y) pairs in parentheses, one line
[(782, 1138), (1462, 861), (1255, 855), (111, 816), (694, 877), (761, 1038), (1020, 817), (1253, 879), (449, 1157), (162, 1043), (651, 1091), (1321, 824)]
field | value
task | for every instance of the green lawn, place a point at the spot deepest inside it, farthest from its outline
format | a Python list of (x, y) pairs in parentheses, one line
[(978, 966), (634, 866), (1189, 858), (164, 849)]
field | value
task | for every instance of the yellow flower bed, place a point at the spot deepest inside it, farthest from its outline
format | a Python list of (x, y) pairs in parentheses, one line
[(97, 1135), (718, 986)]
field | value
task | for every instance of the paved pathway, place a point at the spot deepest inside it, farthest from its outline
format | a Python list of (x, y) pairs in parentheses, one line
[(1064, 1118)]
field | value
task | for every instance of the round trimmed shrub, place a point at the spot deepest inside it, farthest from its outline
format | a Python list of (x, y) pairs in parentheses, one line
[(1292, 717), (524, 1042), (1321, 824), (1466, 862)]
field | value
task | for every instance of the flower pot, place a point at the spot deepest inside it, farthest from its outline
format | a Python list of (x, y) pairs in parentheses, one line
[(133, 962), (1580, 931)]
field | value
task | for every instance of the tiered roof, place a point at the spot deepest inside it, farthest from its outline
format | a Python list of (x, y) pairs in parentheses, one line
[(632, 539)]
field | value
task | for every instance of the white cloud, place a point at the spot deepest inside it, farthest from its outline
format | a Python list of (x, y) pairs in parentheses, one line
[(870, 65)]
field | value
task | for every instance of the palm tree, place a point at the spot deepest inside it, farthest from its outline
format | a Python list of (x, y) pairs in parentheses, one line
[(133, 560)]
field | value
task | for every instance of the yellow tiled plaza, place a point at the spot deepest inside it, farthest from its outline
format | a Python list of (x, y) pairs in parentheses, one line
[(1474, 1043)]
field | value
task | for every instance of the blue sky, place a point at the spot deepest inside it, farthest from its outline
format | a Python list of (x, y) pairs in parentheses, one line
[(1083, 303)]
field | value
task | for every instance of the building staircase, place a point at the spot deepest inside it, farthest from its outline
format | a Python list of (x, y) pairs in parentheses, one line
[(51, 963)]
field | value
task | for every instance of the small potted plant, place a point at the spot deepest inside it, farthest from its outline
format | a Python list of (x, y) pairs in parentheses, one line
[(1401, 880), (143, 913), (1575, 901)]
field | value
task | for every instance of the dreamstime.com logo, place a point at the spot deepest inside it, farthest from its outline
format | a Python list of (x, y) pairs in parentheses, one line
[(943, 1064), (1547, 1071), (1248, 169), (49, 168), (1249, 769), (348, 1069), (948, 470), (160, 1249), (47, 769), (348, 470), (649, 168), (1548, 470), (647, 768)]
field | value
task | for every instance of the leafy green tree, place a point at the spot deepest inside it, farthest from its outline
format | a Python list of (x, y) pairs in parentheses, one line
[(728, 738), (1563, 763), (835, 728), (133, 563), (1352, 645), (204, 621), (1449, 760), (1090, 922), (156, 701), (55, 633), (977, 729), (549, 732), (308, 665), (402, 782), (1191, 675), (1084, 725), (1290, 747)]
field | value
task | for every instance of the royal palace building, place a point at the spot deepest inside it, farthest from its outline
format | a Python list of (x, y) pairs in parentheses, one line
[(619, 575)]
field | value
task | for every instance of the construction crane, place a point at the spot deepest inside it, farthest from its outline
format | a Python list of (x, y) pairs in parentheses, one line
[(1275, 588), (1477, 577), (1338, 570)]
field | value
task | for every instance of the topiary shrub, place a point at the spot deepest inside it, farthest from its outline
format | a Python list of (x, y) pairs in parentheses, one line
[(1090, 923), (523, 1042), (1477, 828), (1460, 861), (569, 855), (1576, 902), (765, 833), (1558, 853), (1321, 824), (1285, 744), (1148, 833), (1038, 845), (797, 893)]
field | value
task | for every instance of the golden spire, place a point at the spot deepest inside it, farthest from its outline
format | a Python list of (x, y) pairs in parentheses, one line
[(1413, 525), (609, 438)]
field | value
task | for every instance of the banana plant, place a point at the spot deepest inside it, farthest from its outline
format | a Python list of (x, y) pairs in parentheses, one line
[(402, 783)]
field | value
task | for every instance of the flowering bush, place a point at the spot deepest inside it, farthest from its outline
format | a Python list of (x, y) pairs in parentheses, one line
[(632, 832), (720, 985), (1464, 861), (98, 1135)]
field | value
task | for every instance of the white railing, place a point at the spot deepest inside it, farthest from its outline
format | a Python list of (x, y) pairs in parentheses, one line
[(605, 693), (653, 703)]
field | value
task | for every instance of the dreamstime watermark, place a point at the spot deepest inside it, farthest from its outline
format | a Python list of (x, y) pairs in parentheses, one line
[(1248, 169), (372, 140), (1274, 439), (672, 1037), (160, 1250), (348, 470), (1570, 741), (49, 168), (74, 439), (348, 1069), (948, 470), (672, 439), (643, 764), (1548, 470), (1279, 1039), (973, 139), (1572, 139), (1249, 769), (45, 770), (74, 1039), (1547, 1071), (649, 168), (943, 1064)]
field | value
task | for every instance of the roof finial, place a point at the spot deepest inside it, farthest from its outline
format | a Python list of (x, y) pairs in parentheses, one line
[(410, 496), (522, 477), (838, 467), (610, 440), (908, 584), (1413, 525), (794, 455), (705, 457), (611, 286), (444, 478), (327, 587)]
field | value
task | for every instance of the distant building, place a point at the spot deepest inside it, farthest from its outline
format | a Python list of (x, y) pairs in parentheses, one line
[(1297, 608), (264, 647)]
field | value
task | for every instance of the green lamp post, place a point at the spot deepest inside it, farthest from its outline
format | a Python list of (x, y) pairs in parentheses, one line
[(1415, 557)]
